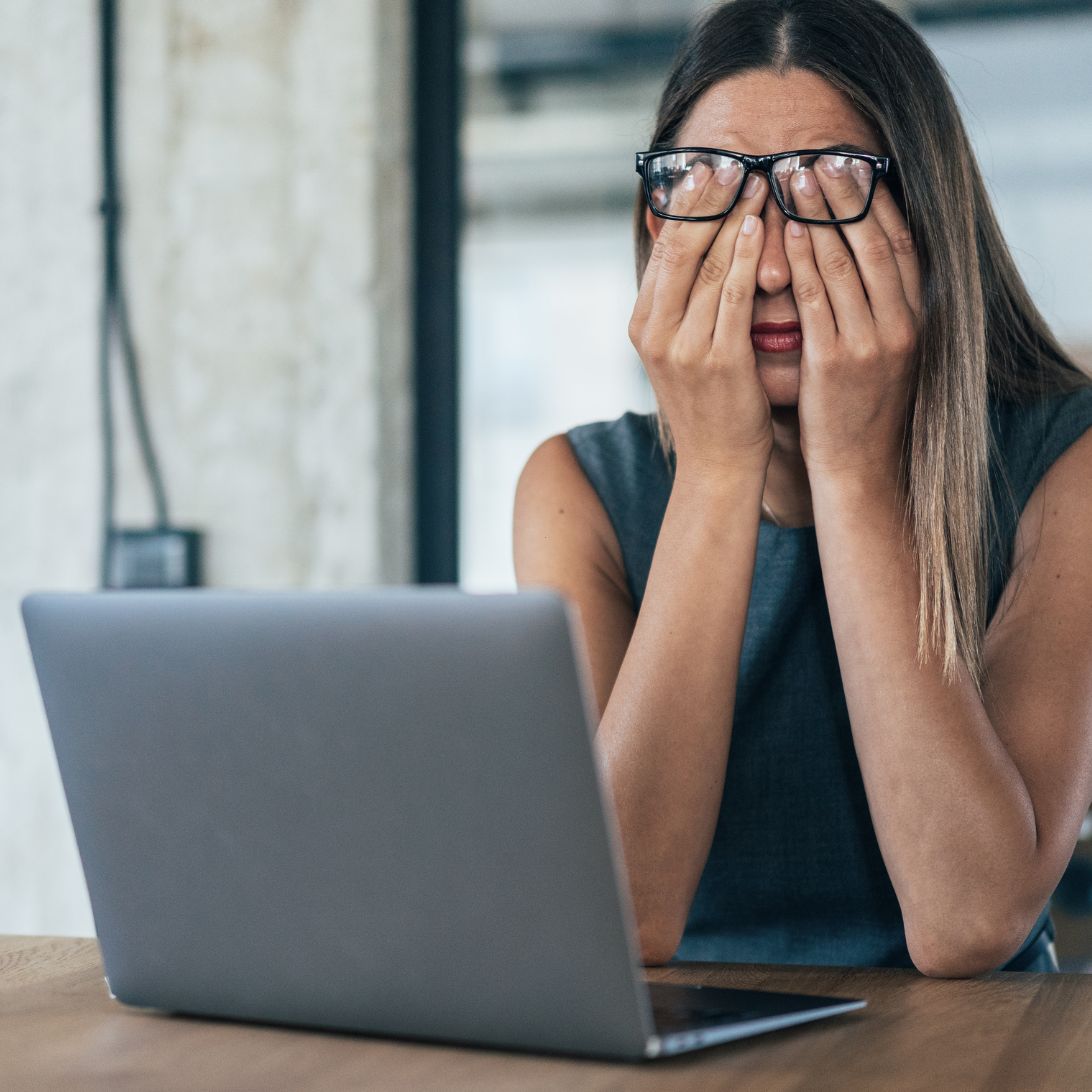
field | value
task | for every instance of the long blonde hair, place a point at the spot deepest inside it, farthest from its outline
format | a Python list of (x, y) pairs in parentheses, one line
[(982, 336)]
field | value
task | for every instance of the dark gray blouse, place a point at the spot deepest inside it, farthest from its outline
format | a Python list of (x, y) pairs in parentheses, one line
[(795, 873)]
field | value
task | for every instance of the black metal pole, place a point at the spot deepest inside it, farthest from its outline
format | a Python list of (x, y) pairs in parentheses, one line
[(110, 212), (114, 316), (437, 111)]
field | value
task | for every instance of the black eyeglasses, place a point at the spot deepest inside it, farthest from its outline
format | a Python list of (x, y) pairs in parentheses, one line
[(665, 175)]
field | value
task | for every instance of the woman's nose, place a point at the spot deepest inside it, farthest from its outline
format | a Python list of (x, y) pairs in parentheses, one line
[(773, 265)]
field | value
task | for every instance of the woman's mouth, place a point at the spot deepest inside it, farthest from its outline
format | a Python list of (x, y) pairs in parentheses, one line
[(776, 337)]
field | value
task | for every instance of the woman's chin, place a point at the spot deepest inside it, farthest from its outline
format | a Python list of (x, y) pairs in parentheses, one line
[(779, 374)]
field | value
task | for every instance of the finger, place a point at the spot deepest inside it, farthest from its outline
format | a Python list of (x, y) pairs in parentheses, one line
[(841, 187), (844, 289), (701, 311), (737, 292), (894, 224), (817, 325), (715, 191), (846, 190), (682, 201), (687, 197), (676, 254)]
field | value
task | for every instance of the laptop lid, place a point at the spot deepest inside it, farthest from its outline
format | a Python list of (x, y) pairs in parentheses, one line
[(377, 811)]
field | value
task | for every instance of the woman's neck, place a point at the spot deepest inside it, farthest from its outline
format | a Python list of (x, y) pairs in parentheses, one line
[(788, 492)]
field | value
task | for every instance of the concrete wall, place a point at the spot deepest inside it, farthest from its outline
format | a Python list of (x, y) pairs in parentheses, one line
[(267, 252)]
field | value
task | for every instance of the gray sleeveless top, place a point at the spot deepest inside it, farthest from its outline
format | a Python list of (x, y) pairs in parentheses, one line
[(795, 874)]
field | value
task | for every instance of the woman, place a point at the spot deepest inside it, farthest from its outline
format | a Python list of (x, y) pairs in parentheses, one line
[(835, 592)]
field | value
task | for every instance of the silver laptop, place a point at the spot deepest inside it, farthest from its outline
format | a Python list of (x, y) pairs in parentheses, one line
[(376, 811)]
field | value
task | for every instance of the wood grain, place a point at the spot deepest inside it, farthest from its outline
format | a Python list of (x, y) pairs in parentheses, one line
[(59, 1029)]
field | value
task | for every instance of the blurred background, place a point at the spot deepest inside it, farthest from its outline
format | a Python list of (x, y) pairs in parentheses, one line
[(363, 289)]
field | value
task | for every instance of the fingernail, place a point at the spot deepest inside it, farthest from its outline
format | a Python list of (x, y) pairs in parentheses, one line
[(834, 165), (796, 228), (752, 186), (804, 181), (750, 224), (698, 176), (726, 176)]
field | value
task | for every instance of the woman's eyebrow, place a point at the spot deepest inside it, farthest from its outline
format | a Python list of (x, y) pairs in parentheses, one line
[(845, 147)]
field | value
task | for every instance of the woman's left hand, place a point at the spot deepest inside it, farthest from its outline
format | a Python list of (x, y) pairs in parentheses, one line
[(860, 318)]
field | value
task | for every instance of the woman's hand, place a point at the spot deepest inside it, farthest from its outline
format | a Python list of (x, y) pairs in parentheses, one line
[(691, 326), (860, 316)]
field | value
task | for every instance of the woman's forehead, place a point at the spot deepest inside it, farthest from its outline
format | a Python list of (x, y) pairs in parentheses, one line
[(761, 111)]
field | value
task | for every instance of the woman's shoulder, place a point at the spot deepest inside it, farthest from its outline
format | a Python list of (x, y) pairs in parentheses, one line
[(1029, 435), (618, 434), (626, 465), (620, 453)]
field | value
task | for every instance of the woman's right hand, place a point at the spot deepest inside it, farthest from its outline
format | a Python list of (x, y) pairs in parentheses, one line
[(691, 326)]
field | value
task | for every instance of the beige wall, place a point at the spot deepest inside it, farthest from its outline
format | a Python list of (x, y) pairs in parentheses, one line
[(268, 260)]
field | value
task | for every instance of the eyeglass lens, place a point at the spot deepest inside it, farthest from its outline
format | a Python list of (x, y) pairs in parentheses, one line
[(676, 188)]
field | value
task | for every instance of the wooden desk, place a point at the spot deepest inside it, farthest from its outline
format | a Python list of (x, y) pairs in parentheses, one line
[(60, 1030)]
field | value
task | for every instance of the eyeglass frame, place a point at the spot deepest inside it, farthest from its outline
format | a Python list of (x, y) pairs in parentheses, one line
[(881, 167)]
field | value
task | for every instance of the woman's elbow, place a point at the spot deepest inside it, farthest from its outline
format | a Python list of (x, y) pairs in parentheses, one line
[(964, 956), (658, 944)]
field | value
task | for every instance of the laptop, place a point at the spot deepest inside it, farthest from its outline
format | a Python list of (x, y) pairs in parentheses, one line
[(376, 811)]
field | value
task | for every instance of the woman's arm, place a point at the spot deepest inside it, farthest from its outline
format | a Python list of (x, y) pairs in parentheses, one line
[(977, 804), (667, 715)]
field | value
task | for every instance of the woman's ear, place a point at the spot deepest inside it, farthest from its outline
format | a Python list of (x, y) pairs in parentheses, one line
[(653, 223)]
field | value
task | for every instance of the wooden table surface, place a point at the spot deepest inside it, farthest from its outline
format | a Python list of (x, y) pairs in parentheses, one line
[(60, 1030)]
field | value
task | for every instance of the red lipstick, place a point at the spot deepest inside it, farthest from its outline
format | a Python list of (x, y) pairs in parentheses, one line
[(776, 337)]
